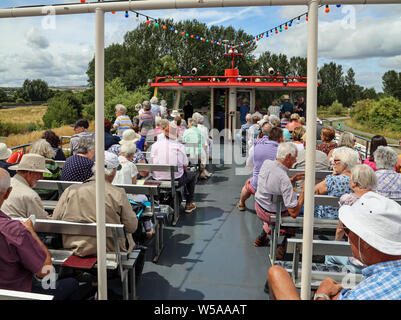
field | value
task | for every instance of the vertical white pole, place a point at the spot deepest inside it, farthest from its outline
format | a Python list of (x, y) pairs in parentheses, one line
[(99, 164), (311, 113), (177, 99), (252, 99), (211, 108)]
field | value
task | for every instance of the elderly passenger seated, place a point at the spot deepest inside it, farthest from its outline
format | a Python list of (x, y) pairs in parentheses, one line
[(123, 121), (79, 166), (375, 142), (372, 225), (362, 180), (77, 204), (23, 201), (264, 148), (253, 130), (43, 148), (128, 175), (347, 139), (23, 255), (81, 131), (169, 151), (273, 179), (327, 136), (388, 180), (336, 184), (5, 153)]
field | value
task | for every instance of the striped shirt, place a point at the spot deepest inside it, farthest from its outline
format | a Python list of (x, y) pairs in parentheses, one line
[(123, 123), (382, 282), (388, 184)]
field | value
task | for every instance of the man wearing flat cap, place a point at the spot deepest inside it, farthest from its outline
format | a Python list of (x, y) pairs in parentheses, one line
[(23, 200), (373, 227), (81, 130)]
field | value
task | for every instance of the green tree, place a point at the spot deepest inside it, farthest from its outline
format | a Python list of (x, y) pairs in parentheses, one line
[(64, 108), (149, 50), (332, 83), (392, 83), (3, 95), (36, 90), (115, 92)]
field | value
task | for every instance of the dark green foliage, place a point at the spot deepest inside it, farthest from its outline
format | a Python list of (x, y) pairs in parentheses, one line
[(384, 113), (64, 108)]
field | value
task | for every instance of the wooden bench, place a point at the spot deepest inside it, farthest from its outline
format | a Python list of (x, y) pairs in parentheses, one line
[(21, 295), (124, 261), (321, 247), (148, 190)]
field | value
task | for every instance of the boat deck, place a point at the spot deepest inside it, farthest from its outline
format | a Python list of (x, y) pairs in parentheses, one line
[(210, 254)]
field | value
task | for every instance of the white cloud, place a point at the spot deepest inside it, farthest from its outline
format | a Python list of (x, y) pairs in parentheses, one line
[(391, 63), (36, 39)]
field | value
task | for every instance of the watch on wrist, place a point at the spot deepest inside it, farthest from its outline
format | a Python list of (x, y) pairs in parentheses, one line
[(321, 295)]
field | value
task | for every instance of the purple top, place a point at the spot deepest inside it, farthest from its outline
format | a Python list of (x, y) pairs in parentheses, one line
[(264, 149), (21, 256), (274, 180)]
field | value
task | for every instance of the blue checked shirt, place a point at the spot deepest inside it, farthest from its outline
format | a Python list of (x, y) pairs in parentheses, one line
[(382, 282), (388, 184)]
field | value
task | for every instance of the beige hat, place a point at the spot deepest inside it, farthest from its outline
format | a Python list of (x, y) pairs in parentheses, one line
[(286, 97), (130, 135), (5, 153), (175, 113), (31, 162)]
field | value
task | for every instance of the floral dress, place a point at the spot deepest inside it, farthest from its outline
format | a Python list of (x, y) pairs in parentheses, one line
[(336, 186)]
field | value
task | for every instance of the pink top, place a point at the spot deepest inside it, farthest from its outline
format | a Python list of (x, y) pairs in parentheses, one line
[(370, 164), (170, 152)]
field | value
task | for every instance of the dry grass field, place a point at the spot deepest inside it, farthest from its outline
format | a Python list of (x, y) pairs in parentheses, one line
[(23, 115), (26, 115)]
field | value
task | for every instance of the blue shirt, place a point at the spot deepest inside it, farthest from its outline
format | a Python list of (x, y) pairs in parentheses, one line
[(243, 111), (382, 282)]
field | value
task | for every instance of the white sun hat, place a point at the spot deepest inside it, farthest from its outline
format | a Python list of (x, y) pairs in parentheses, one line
[(31, 162), (110, 160), (5, 153), (377, 220)]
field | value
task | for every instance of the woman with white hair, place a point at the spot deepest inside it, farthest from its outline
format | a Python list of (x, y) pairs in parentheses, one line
[(336, 184), (347, 139), (163, 108), (155, 107), (205, 142), (388, 180), (123, 121), (128, 175), (362, 180)]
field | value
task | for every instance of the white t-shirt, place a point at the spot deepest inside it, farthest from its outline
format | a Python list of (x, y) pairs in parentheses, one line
[(125, 175), (299, 146)]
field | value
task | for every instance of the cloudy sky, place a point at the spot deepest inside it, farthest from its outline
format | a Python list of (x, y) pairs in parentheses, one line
[(366, 38)]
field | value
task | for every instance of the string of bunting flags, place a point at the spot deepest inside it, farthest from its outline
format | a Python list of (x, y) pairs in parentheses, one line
[(263, 35)]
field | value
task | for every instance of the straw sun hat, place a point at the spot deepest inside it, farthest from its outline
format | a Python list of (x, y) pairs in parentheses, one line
[(130, 135), (31, 162), (5, 153)]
